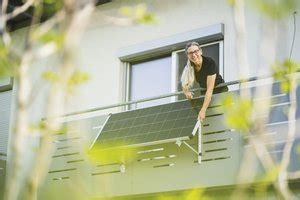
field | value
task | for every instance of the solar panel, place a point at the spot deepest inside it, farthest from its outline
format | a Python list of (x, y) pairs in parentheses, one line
[(154, 124), (81, 127)]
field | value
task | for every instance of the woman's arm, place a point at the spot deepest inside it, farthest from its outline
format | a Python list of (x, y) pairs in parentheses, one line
[(209, 91)]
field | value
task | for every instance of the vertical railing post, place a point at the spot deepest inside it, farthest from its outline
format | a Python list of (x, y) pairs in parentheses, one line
[(200, 143)]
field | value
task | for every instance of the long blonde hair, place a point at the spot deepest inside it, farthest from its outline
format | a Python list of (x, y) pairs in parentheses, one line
[(188, 76)]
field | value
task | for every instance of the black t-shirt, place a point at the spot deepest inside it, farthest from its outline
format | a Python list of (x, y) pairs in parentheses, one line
[(209, 67)]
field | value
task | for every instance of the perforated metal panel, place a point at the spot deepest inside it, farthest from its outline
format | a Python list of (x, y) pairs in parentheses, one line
[(5, 108), (275, 137), (69, 157)]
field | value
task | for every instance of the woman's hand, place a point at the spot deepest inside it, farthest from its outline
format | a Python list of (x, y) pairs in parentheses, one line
[(188, 95), (201, 115)]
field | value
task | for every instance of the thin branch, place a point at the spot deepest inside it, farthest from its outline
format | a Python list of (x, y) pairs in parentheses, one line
[(35, 91), (77, 25), (4, 6), (50, 23), (6, 37), (55, 103), (19, 10), (283, 176), (241, 43), (13, 185)]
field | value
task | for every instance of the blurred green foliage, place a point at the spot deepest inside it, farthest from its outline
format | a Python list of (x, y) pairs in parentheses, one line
[(265, 180), (9, 61), (54, 36), (51, 6), (78, 77), (238, 112), (50, 76), (139, 14), (188, 195), (275, 9), (119, 154), (231, 2), (283, 72), (41, 127)]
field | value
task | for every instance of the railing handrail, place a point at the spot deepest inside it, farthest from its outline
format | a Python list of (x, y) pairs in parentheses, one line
[(163, 96)]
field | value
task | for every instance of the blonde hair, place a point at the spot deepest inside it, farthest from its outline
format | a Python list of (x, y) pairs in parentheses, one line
[(188, 77)]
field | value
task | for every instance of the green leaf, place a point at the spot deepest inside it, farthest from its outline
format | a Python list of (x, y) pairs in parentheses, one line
[(9, 62), (126, 11), (50, 76), (231, 2), (238, 112), (51, 36), (42, 126), (139, 14), (78, 77), (61, 131), (282, 72), (120, 154), (285, 86), (52, 6), (267, 179), (147, 19)]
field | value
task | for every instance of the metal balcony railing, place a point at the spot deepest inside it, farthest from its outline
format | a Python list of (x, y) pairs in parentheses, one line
[(230, 83)]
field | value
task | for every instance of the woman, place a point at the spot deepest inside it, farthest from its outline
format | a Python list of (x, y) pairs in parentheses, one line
[(203, 70)]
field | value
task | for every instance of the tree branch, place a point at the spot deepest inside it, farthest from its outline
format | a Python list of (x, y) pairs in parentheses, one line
[(18, 10)]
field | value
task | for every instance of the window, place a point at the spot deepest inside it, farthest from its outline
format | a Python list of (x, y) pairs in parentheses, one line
[(160, 76), (150, 78)]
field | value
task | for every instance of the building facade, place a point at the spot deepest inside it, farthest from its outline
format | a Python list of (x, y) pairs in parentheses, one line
[(146, 60)]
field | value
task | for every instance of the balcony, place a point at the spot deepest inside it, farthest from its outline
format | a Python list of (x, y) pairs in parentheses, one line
[(160, 149)]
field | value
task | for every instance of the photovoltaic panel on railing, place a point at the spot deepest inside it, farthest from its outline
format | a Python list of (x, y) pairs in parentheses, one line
[(164, 122)]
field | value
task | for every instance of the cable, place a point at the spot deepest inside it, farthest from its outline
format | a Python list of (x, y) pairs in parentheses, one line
[(295, 27)]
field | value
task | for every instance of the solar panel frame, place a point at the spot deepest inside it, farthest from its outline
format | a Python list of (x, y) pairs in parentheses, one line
[(158, 124)]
